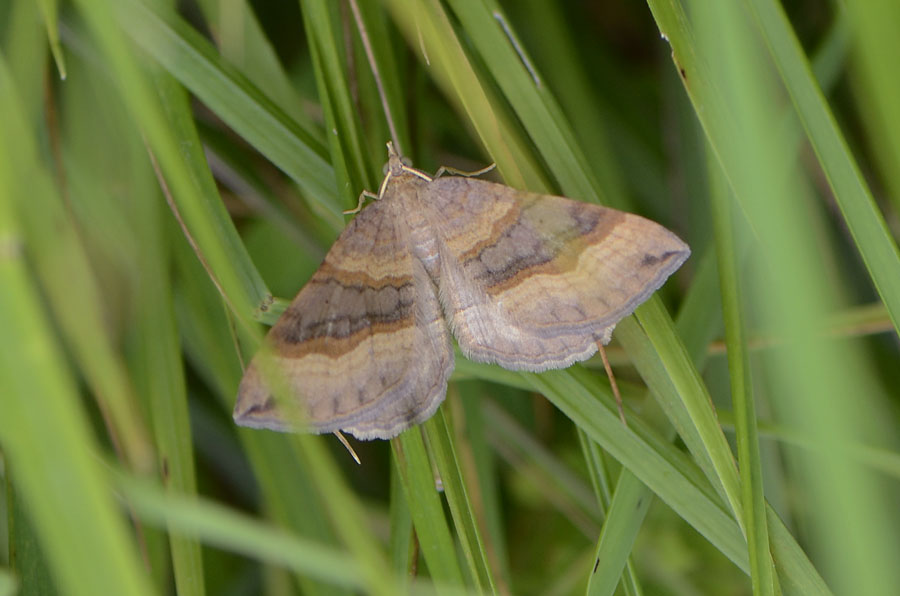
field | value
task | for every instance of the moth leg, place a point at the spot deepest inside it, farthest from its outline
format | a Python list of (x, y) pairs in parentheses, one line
[(612, 382), (450, 170), (340, 437), (362, 199)]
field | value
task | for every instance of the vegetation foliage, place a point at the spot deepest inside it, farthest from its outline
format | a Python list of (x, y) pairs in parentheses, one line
[(165, 171)]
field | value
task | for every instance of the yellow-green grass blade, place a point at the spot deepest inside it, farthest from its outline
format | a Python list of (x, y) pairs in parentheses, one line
[(242, 42), (25, 52), (154, 346), (8, 584), (878, 90), (200, 209), (223, 528), (78, 303), (44, 433), (345, 513), (534, 106), (811, 376), (58, 227), (288, 493), (495, 125), (880, 459), (797, 292)]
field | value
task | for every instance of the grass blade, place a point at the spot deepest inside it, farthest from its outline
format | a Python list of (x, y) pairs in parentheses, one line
[(453, 482), (865, 221), (754, 505), (425, 508), (44, 433)]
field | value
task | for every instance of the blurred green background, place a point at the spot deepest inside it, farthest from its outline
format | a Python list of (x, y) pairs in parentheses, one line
[(165, 171)]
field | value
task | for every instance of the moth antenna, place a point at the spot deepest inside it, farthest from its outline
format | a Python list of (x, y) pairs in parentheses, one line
[(370, 56), (347, 446), (612, 382), (518, 48)]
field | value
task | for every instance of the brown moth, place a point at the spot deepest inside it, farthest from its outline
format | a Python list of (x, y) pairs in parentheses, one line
[(527, 281)]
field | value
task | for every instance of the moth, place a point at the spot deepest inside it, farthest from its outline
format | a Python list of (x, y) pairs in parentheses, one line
[(527, 281)]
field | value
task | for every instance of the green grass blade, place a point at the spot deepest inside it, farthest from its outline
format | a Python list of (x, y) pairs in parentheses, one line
[(625, 515), (474, 431), (288, 491), (425, 508), (865, 221), (453, 482), (533, 104), (574, 392), (663, 362), (345, 513), (191, 60), (26, 557), (25, 51), (731, 94), (222, 251), (50, 10), (57, 232), (754, 505), (459, 80), (322, 23), (401, 545), (154, 351), (879, 90), (241, 40), (883, 460)]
